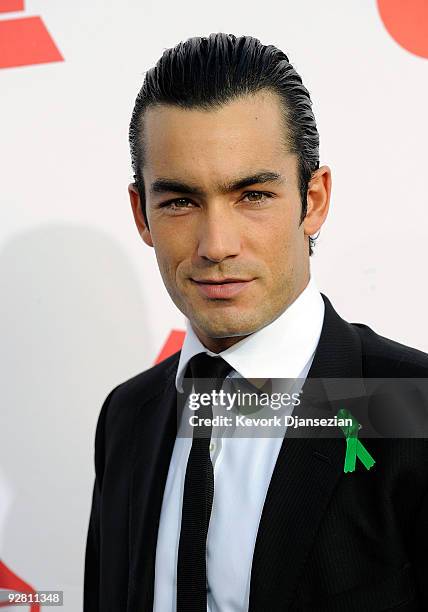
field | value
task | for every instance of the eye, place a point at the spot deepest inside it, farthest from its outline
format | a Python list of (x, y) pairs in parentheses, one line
[(257, 197), (178, 203)]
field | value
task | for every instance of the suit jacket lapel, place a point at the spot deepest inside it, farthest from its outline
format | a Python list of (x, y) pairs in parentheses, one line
[(154, 438), (303, 481)]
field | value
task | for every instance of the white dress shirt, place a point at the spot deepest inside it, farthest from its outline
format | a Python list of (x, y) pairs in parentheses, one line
[(242, 466)]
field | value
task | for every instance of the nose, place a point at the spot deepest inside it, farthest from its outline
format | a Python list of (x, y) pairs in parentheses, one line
[(219, 235)]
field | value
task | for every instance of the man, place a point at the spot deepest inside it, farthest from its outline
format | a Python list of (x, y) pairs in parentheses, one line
[(229, 192)]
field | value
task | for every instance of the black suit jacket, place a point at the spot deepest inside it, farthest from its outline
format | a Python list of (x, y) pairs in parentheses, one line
[(327, 541)]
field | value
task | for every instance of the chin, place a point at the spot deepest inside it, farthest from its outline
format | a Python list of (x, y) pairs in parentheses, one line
[(227, 329)]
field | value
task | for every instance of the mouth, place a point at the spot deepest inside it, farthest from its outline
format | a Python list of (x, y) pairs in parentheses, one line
[(221, 288)]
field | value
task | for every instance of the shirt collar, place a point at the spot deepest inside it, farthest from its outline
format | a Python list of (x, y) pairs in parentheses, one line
[(281, 349)]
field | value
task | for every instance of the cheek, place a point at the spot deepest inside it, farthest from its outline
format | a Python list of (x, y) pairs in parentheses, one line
[(279, 247), (277, 238), (166, 240), (171, 248)]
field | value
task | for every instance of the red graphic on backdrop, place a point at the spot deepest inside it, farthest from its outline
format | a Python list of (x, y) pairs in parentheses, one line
[(10, 582), (25, 41), (7, 6), (407, 23), (172, 345)]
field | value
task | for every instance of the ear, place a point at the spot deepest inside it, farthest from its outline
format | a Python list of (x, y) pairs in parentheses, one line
[(137, 211), (318, 200)]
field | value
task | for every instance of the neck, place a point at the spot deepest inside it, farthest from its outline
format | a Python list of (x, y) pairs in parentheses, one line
[(218, 345)]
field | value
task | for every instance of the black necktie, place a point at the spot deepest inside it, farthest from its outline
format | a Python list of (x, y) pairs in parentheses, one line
[(198, 492)]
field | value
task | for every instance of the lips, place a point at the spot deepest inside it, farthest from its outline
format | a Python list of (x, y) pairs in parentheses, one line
[(221, 288), (221, 281)]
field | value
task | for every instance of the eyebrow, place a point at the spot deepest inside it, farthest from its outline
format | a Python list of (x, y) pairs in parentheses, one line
[(165, 185)]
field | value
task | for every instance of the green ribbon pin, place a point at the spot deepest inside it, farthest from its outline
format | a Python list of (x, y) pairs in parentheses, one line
[(354, 447)]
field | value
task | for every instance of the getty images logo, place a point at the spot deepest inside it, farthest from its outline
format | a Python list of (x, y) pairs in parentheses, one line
[(24, 40)]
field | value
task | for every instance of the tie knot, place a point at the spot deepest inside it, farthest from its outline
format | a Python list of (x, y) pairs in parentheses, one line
[(213, 368)]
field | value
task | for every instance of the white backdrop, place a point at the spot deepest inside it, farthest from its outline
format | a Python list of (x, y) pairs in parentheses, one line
[(83, 306)]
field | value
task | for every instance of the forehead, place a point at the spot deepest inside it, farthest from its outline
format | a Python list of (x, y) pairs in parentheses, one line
[(244, 134)]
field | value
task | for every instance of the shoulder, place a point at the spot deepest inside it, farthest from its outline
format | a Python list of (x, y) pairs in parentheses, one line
[(149, 383), (117, 416), (384, 357), (129, 396)]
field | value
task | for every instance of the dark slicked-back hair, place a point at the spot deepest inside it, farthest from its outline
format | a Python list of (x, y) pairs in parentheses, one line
[(207, 72)]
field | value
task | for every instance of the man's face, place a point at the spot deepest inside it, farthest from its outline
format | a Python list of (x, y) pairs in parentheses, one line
[(223, 202)]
